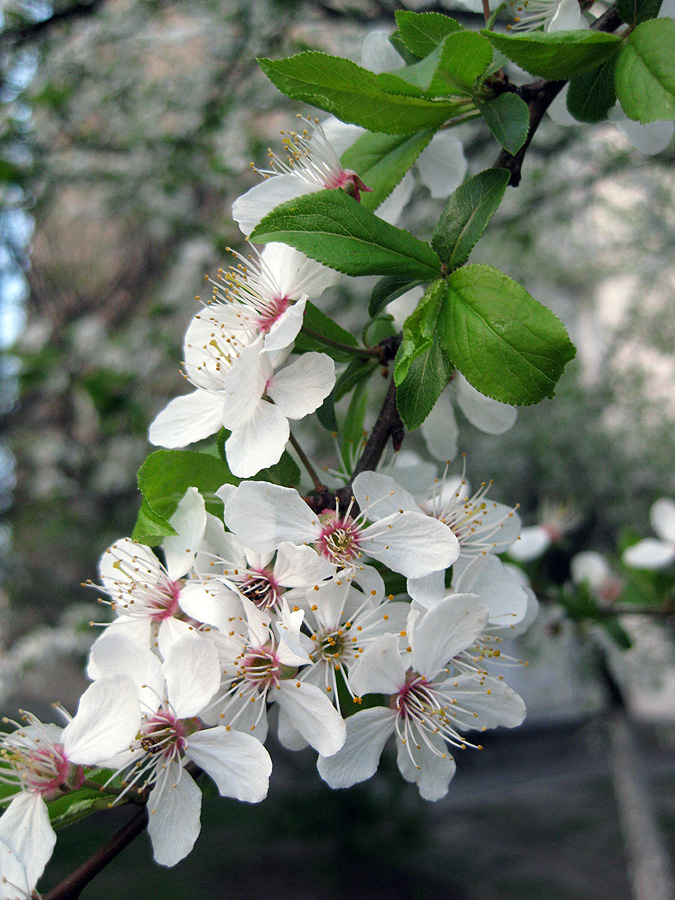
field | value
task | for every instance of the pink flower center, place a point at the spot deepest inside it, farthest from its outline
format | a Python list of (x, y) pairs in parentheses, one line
[(273, 311), (163, 733), (412, 700), (39, 765), (164, 602), (261, 668), (348, 181), (339, 541), (262, 589)]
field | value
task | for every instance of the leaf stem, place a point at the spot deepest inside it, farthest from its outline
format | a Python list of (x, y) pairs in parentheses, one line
[(319, 486), (364, 352), (72, 886)]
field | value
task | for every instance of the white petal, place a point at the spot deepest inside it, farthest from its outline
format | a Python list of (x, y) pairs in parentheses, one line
[(258, 443), (503, 593), (412, 544), (108, 718), (302, 386), (289, 736), (378, 53), (13, 876), (532, 543), (213, 604), (381, 496), (263, 515), (485, 413), (590, 567), (250, 208), (662, 517), (340, 135), (189, 521), (245, 385), (431, 772), (650, 138), (489, 701), (116, 653), (187, 419), (285, 330), (442, 165), (567, 17), (391, 208), (558, 110), (312, 714), (380, 669), (192, 672), (26, 830), (174, 806), (238, 763), (439, 429), (445, 630), (649, 554), (170, 631), (427, 591), (367, 733), (300, 566)]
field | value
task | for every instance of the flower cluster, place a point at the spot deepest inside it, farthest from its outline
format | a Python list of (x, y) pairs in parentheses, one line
[(276, 604)]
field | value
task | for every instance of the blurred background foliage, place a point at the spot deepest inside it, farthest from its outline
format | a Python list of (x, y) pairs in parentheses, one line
[(126, 132)]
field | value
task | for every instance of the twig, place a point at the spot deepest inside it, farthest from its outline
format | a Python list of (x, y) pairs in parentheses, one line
[(539, 95), (35, 29), (319, 486), (72, 886)]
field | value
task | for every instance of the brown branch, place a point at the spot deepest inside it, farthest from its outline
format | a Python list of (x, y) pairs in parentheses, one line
[(72, 886), (35, 29), (539, 95)]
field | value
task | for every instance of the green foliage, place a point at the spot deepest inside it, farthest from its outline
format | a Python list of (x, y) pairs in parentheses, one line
[(451, 69), (163, 480), (508, 346), (428, 374), (645, 73), (386, 290), (467, 214), (382, 160), (508, 118), (418, 330), (353, 94), (557, 54), (321, 325), (635, 11), (421, 33), (334, 229), (591, 95)]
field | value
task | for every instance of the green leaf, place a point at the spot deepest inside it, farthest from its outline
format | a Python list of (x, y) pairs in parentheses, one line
[(398, 45), (166, 475), (508, 118), (591, 95), (151, 528), (326, 413), (557, 54), (645, 72), (352, 94), (635, 11), (386, 290), (357, 371), (418, 329), (382, 160), (508, 346), (427, 375), (321, 325), (334, 229), (466, 215), (76, 805), (452, 68), (353, 431), (286, 472), (422, 32)]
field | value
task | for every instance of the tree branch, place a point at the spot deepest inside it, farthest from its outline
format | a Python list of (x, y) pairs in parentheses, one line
[(539, 95), (32, 30), (72, 886)]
